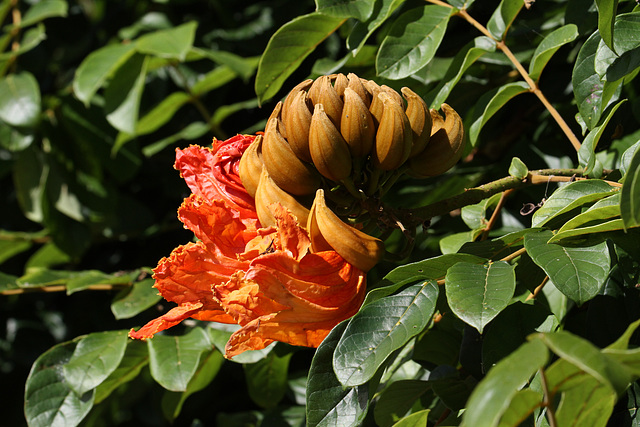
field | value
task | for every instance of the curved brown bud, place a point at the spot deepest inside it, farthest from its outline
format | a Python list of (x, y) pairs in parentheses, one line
[(445, 146), (355, 84), (376, 107), (327, 230), (300, 87), (268, 193), (356, 124), (329, 150), (322, 92), (394, 137), (420, 119), (340, 84), (393, 94), (250, 167), (297, 121), (285, 168)]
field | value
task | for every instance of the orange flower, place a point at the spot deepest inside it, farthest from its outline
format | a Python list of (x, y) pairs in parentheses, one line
[(264, 279)]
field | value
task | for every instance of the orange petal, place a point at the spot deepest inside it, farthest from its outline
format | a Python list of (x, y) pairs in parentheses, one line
[(293, 239), (171, 318), (213, 173)]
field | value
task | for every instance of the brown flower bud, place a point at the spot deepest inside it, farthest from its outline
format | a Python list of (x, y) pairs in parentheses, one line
[(329, 150), (250, 167), (356, 124), (268, 193), (420, 119), (394, 137)]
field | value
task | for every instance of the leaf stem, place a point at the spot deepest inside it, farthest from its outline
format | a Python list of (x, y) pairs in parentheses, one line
[(500, 44), (551, 416), (495, 214), (62, 288)]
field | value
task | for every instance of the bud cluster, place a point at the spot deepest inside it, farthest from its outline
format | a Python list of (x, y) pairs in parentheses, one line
[(347, 138)]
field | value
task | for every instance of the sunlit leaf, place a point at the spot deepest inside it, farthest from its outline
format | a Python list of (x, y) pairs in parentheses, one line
[(135, 300), (358, 9), (569, 197), (522, 405), (578, 272), (122, 96), (43, 10), (190, 132), (490, 103), (588, 404), (362, 30), (412, 41), (549, 46), (379, 329), (288, 47), (503, 16), (174, 359), (606, 18), (518, 169), (416, 419), (477, 293), (492, 397), (32, 38), (20, 100), (97, 68), (586, 153), (49, 402), (329, 403), (267, 379), (630, 194), (135, 357), (173, 43), (242, 67), (95, 357)]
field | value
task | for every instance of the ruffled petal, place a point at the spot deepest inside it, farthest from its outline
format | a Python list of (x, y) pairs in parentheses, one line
[(169, 319)]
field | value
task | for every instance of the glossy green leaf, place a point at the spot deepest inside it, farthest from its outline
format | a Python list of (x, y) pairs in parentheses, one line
[(218, 77), (419, 418), (43, 10), (466, 57), (477, 293), (361, 31), (39, 277), (503, 17), (172, 402), (461, 4), (9, 249), (358, 9), (578, 272), (622, 343), (173, 43), (328, 402), (192, 131), (597, 219), (630, 194), (122, 96), (490, 103), (379, 329), (588, 358), (627, 157), (174, 359), (412, 41), (397, 399), (522, 406), (20, 100), (49, 402), (95, 357), (267, 379), (135, 300), (161, 113), (31, 39), (100, 65), (606, 18), (499, 247), (586, 153), (288, 47), (549, 46), (518, 169), (242, 67), (136, 356), (492, 397), (569, 197), (588, 404)]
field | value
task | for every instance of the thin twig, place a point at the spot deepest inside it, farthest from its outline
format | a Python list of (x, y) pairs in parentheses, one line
[(551, 416), (62, 288), (538, 289), (496, 213)]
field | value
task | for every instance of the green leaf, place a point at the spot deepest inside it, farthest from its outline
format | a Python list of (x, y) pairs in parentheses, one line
[(49, 402), (549, 46), (492, 397), (596, 219), (397, 399), (588, 404), (135, 357), (173, 43), (577, 272), (461, 62), (379, 329), (361, 31), (95, 357), (569, 197), (209, 366), (412, 41), (220, 333), (606, 18), (490, 103), (523, 403), (7, 282), (267, 379), (32, 38), (100, 65), (586, 153), (135, 300), (192, 131), (419, 418), (122, 96), (358, 9), (588, 358), (503, 17), (477, 293), (288, 47), (174, 359), (43, 10), (9, 249), (243, 67), (630, 194), (218, 77), (161, 113), (328, 402), (461, 4), (518, 169), (20, 100)]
